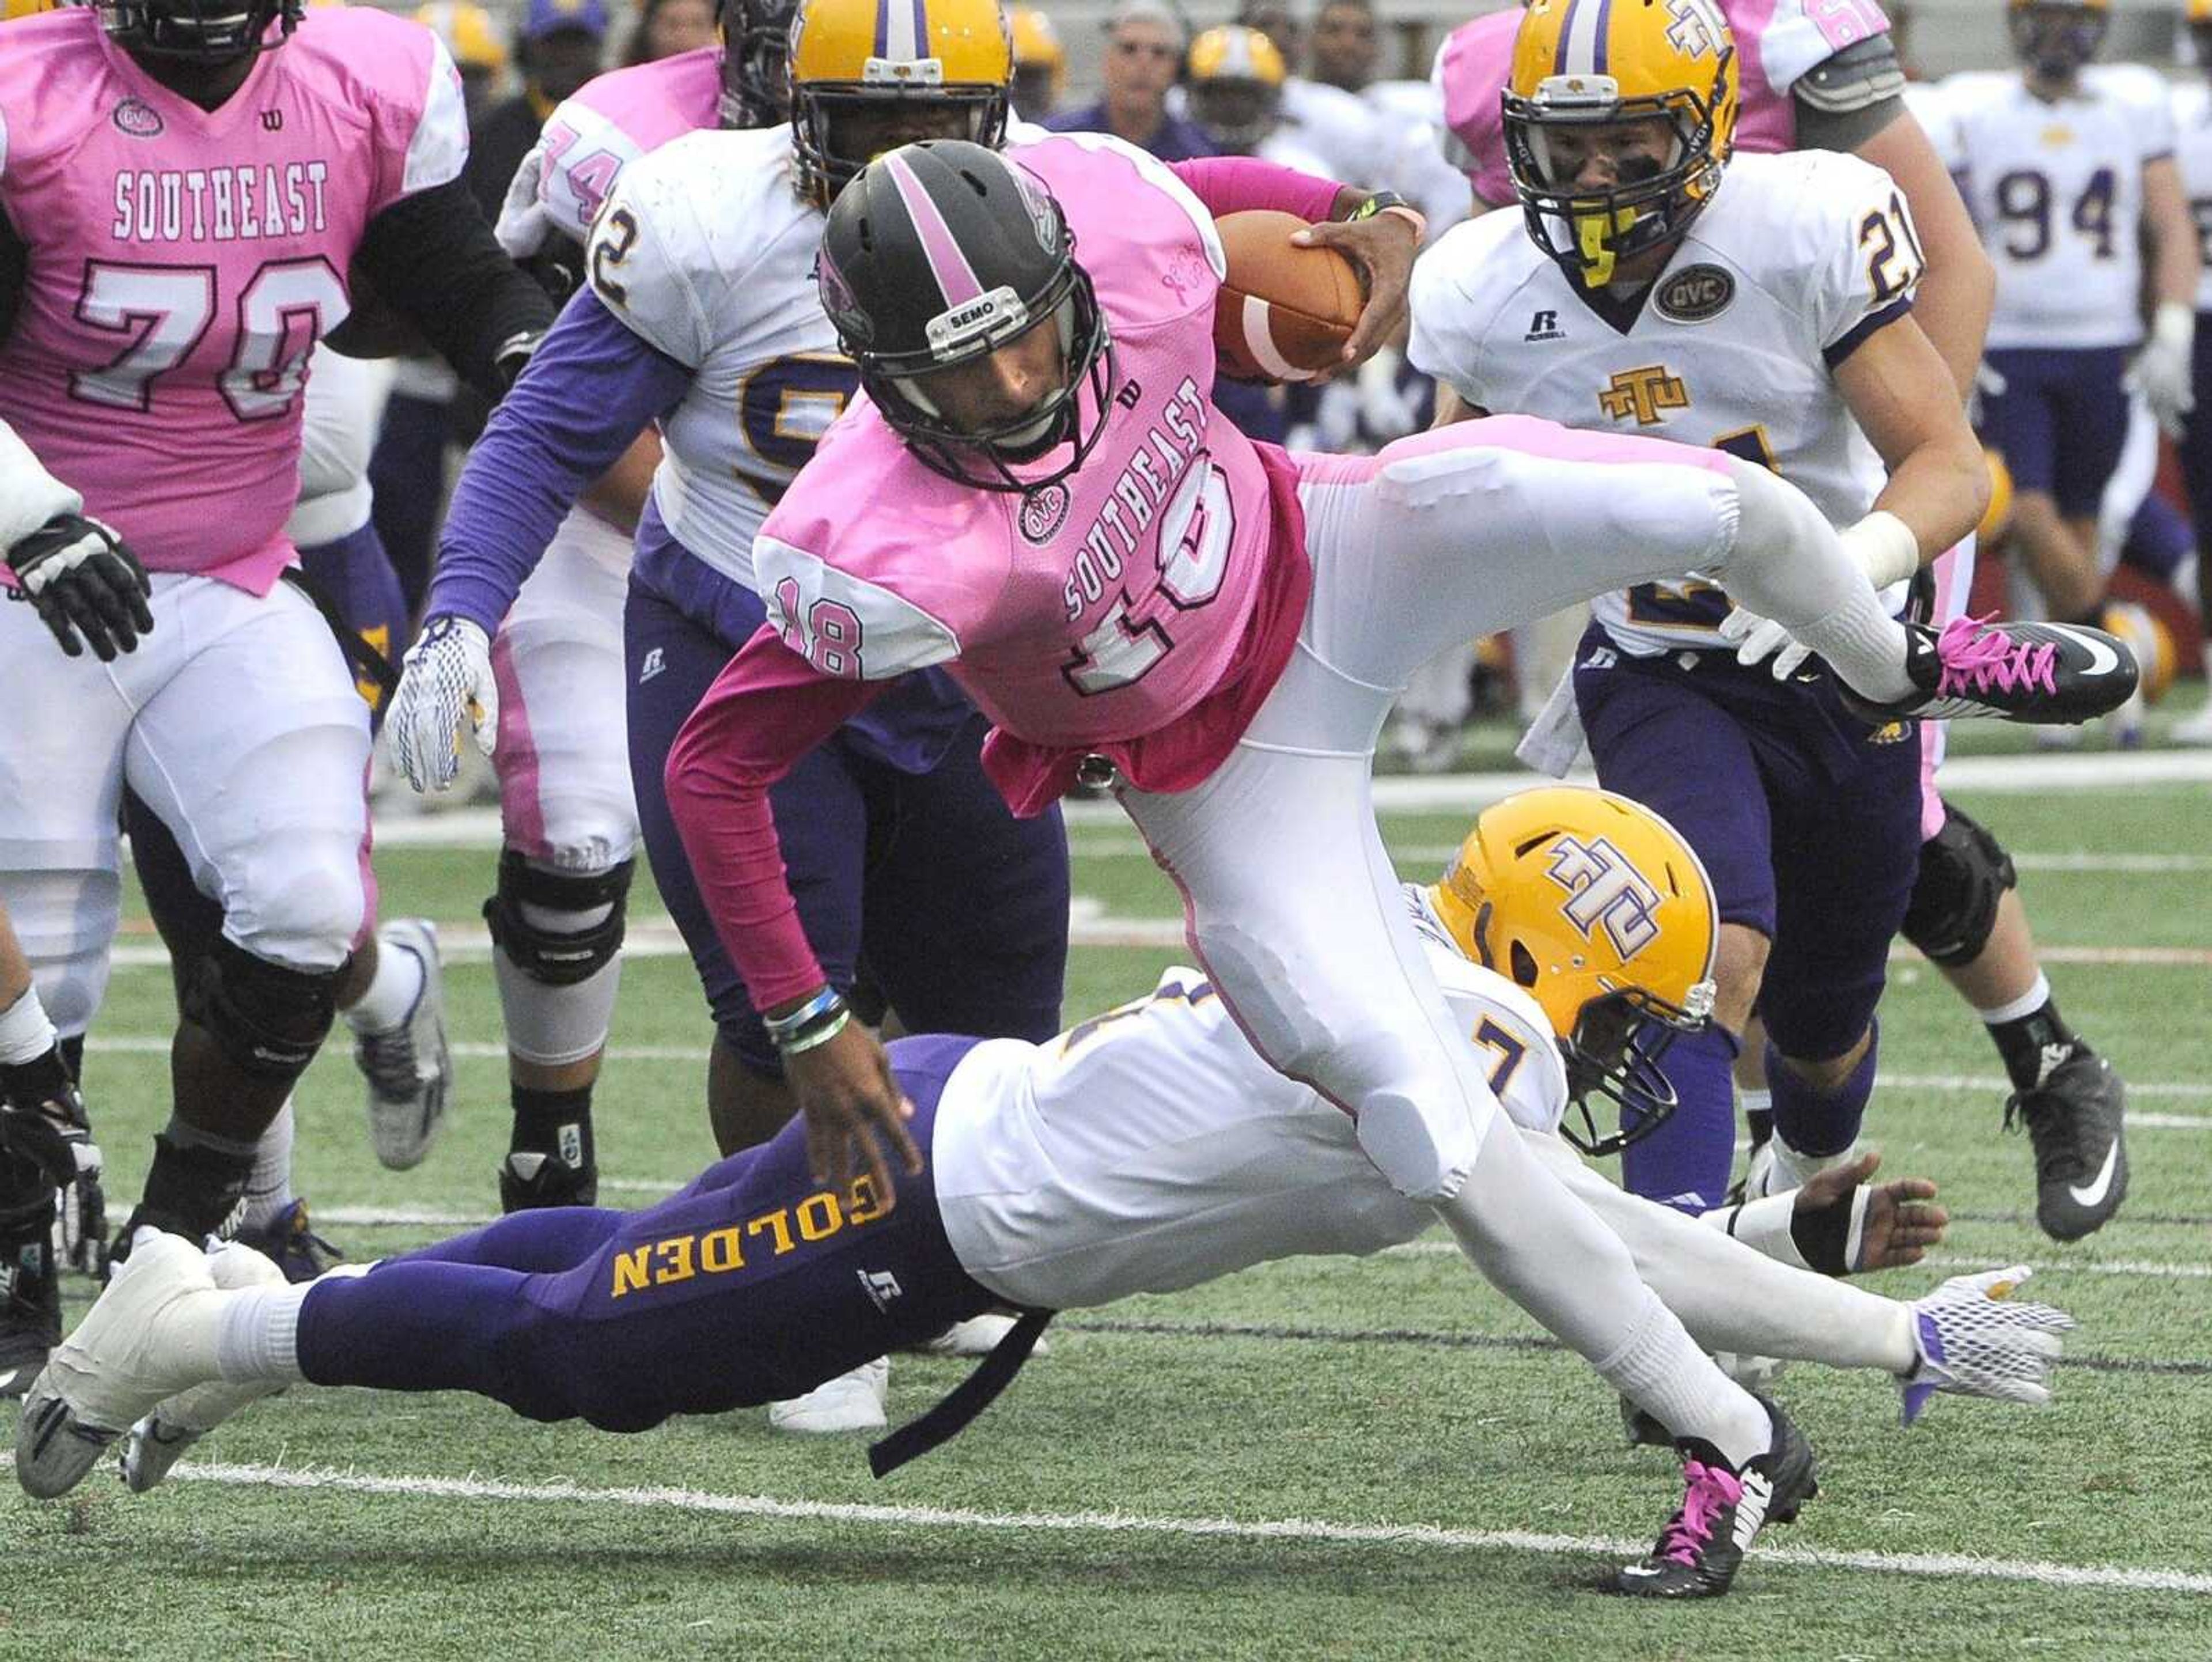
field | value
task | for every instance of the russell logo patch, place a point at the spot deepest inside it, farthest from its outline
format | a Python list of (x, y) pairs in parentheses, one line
[(1695, 293)]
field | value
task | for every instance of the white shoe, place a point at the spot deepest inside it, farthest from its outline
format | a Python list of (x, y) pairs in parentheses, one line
[(409, 1070), (2196, 729), (1775, 1168), (1972, 1336), (851, 1402), (119, 1364), (159, 1441), (978, 1335)]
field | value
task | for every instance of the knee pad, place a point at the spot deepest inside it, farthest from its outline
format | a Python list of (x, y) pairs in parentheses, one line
[(267, 1020), (1964, 873), (557, 958)]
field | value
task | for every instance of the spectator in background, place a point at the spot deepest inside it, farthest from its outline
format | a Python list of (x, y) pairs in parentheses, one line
[(478, 50), (1144, 41), (668, 28), (1326, 122), (1040, 63)]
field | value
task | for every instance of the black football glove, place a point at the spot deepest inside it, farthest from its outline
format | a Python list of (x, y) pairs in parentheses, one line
[(43, 1124), (89, 588)]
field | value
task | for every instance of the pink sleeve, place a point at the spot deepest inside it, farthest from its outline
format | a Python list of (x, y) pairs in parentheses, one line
[(1236, 184), (767, 709)]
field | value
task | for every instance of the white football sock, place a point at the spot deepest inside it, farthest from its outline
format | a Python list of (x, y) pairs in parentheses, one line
[(391, 992), (1731, 1298), (1788, 563), (1541, 1247), (257, 1339), (268, 1185)]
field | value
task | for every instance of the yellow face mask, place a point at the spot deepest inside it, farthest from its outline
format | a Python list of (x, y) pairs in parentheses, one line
[(1595, 233)]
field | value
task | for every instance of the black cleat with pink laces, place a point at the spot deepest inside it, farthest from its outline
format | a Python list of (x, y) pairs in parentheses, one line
[(1699, 1551), (2050, 675)]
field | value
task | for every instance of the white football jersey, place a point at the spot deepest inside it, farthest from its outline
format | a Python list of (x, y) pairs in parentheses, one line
[(1152, 1148), (2056, 191), (1931, 107), (2192, 153), (706, 250), (1796, 259)]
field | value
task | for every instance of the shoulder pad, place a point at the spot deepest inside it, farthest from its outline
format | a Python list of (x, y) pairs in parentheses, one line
[(1863, 74)]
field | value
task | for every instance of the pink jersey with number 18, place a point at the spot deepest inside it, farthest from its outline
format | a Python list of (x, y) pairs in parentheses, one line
[(184, 262), (1140, 607)]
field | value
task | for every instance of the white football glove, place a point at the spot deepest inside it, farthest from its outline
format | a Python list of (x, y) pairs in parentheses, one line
[(2162, 371), (446, 680), (523, 224), (1756, 637), (1972, 1336)]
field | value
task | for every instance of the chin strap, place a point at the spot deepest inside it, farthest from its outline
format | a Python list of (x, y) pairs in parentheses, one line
[(964, 1401)]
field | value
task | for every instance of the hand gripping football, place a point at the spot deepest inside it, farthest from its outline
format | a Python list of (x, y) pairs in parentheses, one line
[(1283, 313)]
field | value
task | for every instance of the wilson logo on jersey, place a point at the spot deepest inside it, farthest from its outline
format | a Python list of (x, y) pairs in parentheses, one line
[(1646, 394), (1604, 890)]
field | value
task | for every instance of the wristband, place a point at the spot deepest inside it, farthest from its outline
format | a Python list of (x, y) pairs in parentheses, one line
[(1884, 547), (821, 1033), (1762, 1225), (821, 1004), (1389, 202), (25, 1034)]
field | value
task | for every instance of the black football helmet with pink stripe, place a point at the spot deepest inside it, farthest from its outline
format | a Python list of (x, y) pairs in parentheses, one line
[(938, 255), (211, 33)]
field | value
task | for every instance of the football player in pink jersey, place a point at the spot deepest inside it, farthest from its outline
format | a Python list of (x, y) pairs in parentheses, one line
[(185, 191), (1038, 495), (1824, 74)]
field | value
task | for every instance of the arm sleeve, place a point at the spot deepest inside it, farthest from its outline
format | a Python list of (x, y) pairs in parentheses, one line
[(588, 392), (434, 259), (1237, 183), (767, 707)]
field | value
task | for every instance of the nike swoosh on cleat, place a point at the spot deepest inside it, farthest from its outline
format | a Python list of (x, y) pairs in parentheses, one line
[(2103, 661), (2094, 1194)]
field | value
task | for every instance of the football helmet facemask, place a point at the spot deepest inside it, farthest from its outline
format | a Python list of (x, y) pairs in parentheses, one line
[(1589, 64), (1598, 909), (936, 256), (855, 57), (755, 61), (211, 33)]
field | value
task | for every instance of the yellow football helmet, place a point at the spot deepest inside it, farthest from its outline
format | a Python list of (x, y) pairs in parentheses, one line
[(1041, 62), (1589, 64), (2149, 639), (1236, 76), (1596, 907), (12, 9), (850, 55), (469, 33), (2056, 38), (1996, 518)]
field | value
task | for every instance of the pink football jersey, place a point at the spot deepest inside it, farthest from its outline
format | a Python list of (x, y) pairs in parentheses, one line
[(1137, 609), (184, 262), (616, 118), (1777, 42)]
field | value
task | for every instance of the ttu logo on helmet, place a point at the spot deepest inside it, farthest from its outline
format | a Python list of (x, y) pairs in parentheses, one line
[(1604, 890)]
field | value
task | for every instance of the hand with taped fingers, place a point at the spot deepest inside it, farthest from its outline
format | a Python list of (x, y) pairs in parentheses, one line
[(1756, 638), (88, 587), (1382, 246), (1902, 1222), (856, 1115)]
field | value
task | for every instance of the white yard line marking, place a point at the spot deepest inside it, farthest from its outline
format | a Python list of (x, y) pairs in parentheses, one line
[(2143, 1267), (1107, 845), (1938, 1566), (478, 828)]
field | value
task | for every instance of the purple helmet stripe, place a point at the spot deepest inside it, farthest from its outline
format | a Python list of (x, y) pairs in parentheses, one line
[(1597, 48), (883, 26), (956, 278), (921, 29), (1566, 31)]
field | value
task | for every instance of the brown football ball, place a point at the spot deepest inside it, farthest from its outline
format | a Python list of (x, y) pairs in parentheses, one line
[(1283, 313)]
